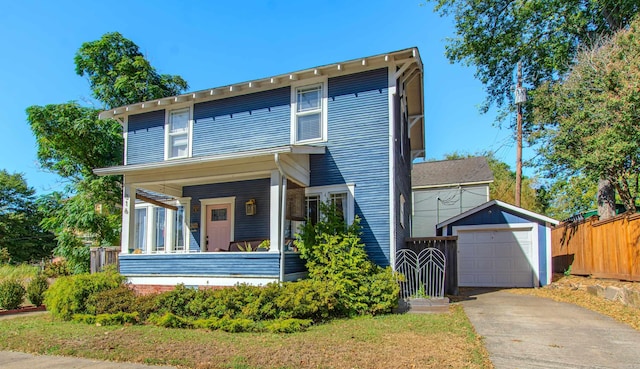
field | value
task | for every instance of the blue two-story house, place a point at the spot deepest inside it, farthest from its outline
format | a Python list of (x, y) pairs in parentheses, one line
[(209, 174)]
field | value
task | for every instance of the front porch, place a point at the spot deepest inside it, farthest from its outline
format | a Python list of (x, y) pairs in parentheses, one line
[(184, 221)]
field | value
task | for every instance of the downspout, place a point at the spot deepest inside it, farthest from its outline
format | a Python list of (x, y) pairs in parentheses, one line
[(282, 188)]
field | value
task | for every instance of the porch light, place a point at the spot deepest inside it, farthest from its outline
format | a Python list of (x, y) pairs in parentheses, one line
[(250, 207)]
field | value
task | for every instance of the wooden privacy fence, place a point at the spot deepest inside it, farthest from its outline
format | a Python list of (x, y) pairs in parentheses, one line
[(449, 247), (602, 249), (103, 256)]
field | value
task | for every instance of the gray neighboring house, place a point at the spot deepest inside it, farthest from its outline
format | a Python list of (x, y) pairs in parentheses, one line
[(446, 188)]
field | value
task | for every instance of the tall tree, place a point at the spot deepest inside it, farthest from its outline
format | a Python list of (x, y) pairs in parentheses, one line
[(543, 35), (20, 231), (119, 74), (591, 118), (72, 141)]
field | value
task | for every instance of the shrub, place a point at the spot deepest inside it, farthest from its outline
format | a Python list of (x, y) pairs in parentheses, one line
[(237, 325), (5, 257), (112, 300), (107, 319), (145, 305), (287, 325), (306, 299), (68, 295), (176, 301), (335, 255), (169, 320), (11, 294), (36, 289), (56, 269)]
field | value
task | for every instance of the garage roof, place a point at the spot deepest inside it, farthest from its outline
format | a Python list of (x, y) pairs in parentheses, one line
[(504, 205)]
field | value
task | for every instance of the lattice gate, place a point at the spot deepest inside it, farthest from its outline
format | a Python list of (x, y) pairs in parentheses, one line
[(422, 274)]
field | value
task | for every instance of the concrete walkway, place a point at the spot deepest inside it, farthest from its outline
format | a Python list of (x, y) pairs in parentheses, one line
[(531, 332), (19, 360)]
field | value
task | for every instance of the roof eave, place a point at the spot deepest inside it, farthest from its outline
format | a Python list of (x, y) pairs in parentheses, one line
[(287, 149), (266, 83), (501, 204)]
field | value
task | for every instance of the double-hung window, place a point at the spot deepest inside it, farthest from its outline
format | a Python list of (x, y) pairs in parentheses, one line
[(178, 133), (309, 120), (340, 196)]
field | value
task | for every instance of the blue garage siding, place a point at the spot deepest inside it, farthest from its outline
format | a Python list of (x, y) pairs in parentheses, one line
[(255, 264), (145, 138), (358, 152), (247, 122), (247, 227)]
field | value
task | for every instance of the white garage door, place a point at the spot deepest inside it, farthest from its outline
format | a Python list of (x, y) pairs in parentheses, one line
[(495, 258)]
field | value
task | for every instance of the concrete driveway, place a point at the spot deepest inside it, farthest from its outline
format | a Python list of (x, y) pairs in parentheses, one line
[(531, 332)]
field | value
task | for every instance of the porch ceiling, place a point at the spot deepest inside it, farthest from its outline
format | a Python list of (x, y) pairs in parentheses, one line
[(169, 177)]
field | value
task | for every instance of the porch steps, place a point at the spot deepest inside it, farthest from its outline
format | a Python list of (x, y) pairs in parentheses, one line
[(424, 306)]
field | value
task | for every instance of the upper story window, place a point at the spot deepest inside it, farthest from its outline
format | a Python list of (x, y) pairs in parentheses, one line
[(178, 132), (309, 113)]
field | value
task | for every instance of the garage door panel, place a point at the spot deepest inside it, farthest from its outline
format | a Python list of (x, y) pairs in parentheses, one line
[(495, 258)]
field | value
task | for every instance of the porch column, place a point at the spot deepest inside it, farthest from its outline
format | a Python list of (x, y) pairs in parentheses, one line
[(275, 216), (127, 238)]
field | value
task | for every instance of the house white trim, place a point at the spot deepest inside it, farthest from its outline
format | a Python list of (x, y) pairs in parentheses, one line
[(531, 227), (203, 217), (501, 204), (392, 91), (166, 280)]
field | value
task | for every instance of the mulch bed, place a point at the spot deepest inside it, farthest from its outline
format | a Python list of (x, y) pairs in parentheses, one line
[(26, 309)]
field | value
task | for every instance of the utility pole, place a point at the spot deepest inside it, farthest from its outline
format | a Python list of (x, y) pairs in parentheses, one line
[(521, 97)]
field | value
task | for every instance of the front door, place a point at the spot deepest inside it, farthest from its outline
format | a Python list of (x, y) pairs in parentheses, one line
[(218, 227)]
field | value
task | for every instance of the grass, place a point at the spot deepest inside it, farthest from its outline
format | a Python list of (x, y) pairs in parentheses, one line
[(391, 341), (20, 272)]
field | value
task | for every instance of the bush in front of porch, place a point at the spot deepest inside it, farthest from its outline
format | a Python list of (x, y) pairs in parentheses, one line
[(342, 282), (336, 256)]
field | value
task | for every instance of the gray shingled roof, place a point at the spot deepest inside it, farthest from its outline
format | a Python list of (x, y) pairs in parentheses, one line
[(444, 172)]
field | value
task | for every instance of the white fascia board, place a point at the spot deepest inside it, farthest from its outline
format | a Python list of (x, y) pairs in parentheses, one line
[(501, 204), (462, 184), (346, 67), (124, 169)]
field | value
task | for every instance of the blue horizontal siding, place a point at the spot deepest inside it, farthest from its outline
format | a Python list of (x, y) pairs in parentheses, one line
[(293, 264), (247, 227), (145, 137), (202, 264), (358, 152), (241, 123)]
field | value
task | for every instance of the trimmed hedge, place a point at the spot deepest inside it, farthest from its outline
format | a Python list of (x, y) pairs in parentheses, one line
[(11, 294)]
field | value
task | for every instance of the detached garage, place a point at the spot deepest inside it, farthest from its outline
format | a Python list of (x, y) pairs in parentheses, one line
[(501, 245)]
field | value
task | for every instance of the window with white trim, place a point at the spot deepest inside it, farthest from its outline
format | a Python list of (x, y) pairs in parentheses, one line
[(308, 113), (341, 196), (160, 230), (178, 127)]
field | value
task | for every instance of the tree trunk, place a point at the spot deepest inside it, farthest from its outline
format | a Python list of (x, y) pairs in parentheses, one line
[(606, 199)]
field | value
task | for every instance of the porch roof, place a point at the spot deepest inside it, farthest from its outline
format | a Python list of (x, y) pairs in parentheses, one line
[(168, 177)]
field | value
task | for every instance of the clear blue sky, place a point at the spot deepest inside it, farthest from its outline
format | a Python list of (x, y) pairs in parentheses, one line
[(214, 43)]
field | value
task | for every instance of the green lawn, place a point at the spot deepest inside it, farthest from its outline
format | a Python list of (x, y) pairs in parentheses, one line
[(391, 341)]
